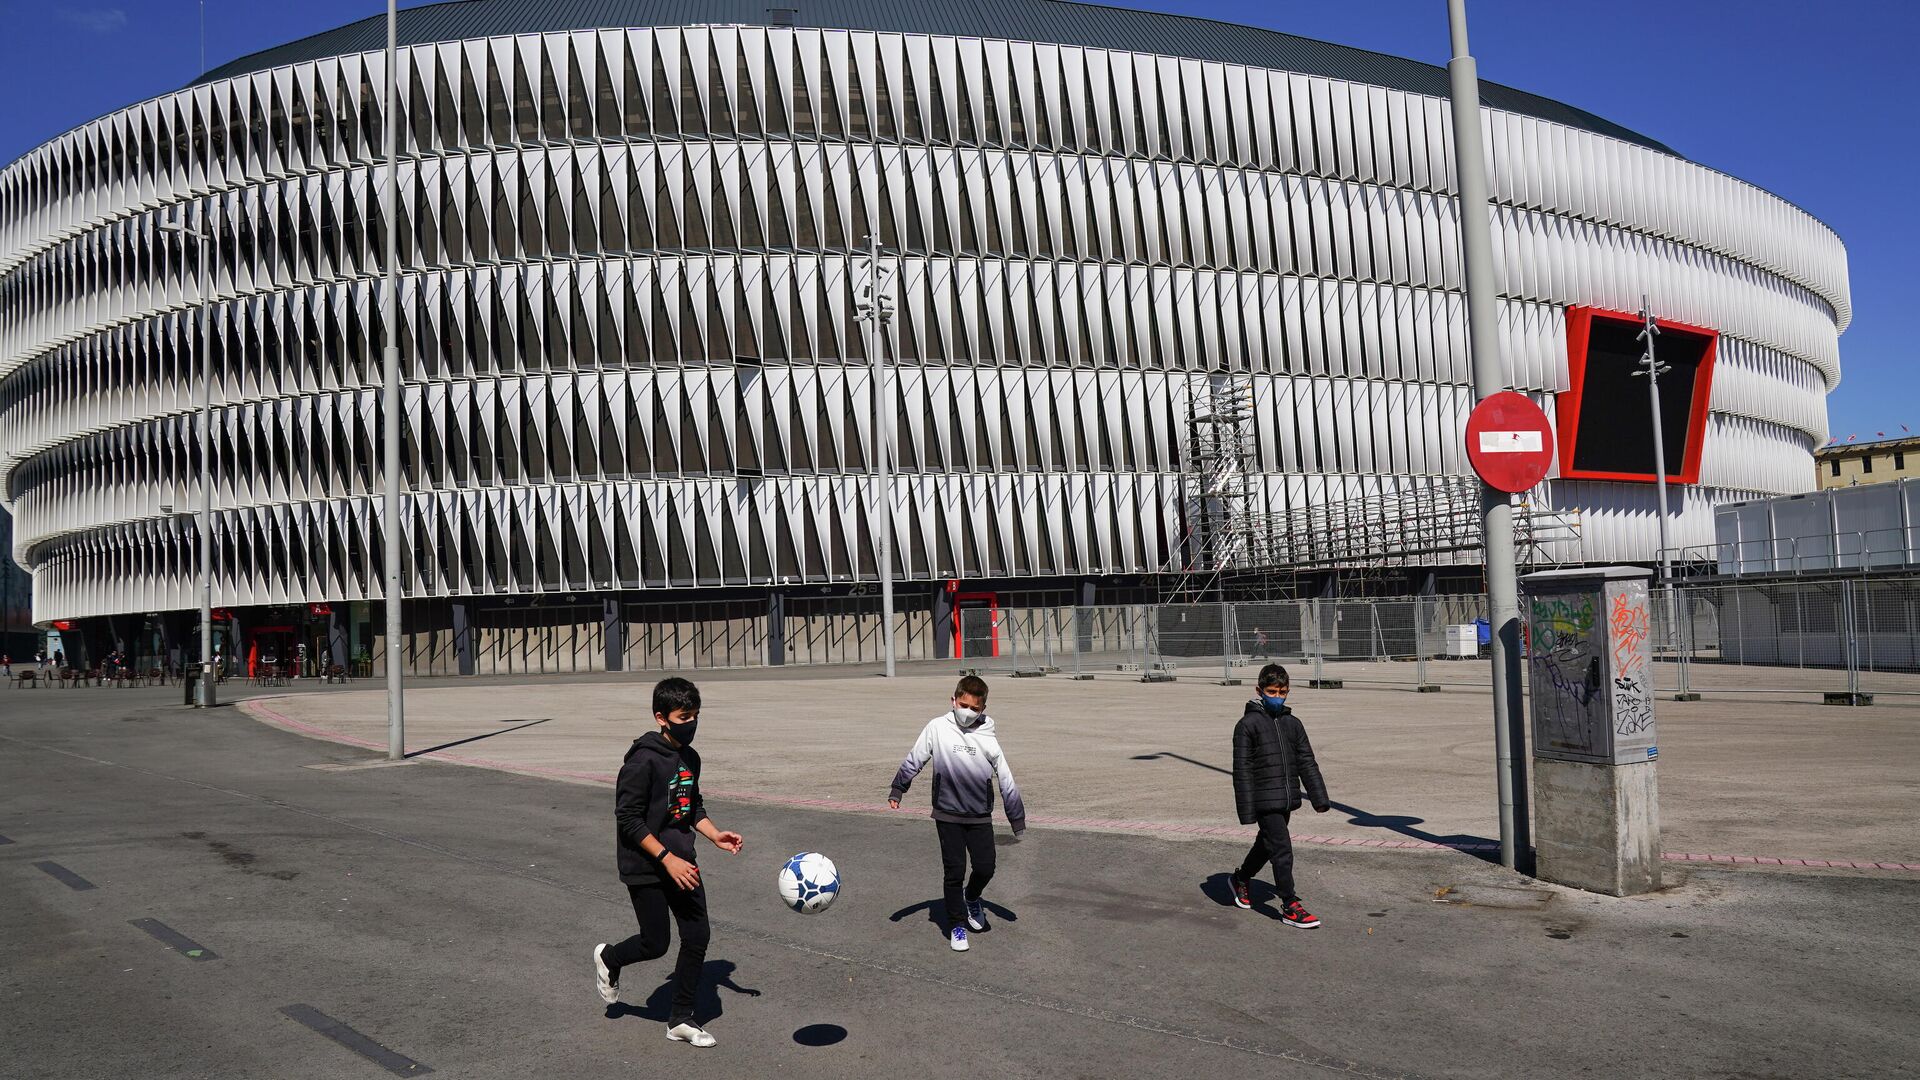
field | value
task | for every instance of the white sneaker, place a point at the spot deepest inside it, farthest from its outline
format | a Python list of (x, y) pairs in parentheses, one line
[(976, 917), (687, 1033), (958, 939), (602, 978)]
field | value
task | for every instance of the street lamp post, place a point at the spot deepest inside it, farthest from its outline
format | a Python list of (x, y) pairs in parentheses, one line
[(1652, 368), (874, 300), (390, 397), (179, 227)]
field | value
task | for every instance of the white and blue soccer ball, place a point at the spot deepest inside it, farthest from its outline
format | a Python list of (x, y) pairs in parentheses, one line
[(809, 882)]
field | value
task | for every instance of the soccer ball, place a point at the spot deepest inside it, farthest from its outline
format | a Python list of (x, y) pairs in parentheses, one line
[(809, 882)]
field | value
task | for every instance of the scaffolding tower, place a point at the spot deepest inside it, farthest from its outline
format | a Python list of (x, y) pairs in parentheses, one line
[(1227, 533), (1232, 545)]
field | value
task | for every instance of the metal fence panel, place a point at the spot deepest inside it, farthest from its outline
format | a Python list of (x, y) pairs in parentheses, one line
[(1886, 625)]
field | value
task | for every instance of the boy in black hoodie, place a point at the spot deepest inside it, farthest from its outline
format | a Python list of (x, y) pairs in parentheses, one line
[(657, 808), (1271, 761)]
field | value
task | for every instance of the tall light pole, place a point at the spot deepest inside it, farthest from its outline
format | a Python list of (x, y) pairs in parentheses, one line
[(390, 397), (179, 227), (1652, 368), (1496, 508), (874, 302)]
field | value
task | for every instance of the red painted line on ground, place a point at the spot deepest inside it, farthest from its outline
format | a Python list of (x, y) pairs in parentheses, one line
[(261, 711)]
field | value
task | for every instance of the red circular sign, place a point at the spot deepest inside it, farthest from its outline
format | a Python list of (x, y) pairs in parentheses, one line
[(1509, 442)]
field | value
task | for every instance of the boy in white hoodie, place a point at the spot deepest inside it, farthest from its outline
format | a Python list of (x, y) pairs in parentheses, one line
[(966, 761)]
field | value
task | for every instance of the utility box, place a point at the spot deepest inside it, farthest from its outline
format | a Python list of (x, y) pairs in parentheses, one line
[(1590, 666), (1463, 641)]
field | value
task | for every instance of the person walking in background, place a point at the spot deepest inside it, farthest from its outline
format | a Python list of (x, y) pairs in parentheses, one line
[(1272, 760), (966, 760)]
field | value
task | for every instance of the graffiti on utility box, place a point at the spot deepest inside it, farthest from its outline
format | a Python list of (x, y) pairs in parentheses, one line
[(1590, 667)]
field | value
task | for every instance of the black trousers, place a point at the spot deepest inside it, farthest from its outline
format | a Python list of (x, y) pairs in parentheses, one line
[(652, 904), (958, 842), (1272, 845)]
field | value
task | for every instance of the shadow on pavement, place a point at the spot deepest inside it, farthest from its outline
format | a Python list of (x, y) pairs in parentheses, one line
[(1480, 847), (706, 1007), (820, 1035), (477, 738), (1220, 890), (936, 910)]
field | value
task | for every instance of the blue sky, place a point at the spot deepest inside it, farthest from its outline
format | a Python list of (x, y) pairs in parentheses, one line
[(1819, 103)]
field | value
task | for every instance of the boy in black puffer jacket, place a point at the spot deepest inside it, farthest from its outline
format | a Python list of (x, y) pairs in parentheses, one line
[(657, 813), (1272, 760)]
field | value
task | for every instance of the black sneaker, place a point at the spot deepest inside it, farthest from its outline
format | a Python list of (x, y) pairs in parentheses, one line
[(1241, 897), (1295, 915), (976, 917)]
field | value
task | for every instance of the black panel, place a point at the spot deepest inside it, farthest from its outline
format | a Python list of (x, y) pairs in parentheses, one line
[(1616, 420)]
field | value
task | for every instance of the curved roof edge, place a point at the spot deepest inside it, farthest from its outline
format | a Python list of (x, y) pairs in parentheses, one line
[(1062, 22)]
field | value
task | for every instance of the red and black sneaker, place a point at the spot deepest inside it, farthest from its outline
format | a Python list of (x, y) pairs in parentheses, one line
[(1241, 898), (1295, 915)]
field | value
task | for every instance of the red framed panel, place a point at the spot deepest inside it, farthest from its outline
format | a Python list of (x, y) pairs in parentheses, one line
[(1567, 403), (992, 603)]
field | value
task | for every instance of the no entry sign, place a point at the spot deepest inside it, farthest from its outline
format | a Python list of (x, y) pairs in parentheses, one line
[(1509, 443)]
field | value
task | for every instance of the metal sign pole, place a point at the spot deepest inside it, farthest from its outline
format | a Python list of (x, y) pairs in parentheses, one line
[(1496, 508)]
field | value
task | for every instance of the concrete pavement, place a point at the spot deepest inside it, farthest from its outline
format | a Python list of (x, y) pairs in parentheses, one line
[(1786, 780), (445, 914)]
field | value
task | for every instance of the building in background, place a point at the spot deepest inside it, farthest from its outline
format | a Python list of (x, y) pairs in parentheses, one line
[(19, 638), (1878, 462), (638, 411)]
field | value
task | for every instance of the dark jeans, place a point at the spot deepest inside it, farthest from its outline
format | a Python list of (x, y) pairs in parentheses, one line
[(957, 843), (1274, 845), (651, 906)]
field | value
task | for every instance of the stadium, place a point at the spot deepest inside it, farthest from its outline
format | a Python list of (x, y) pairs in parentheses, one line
[(1176, 301)]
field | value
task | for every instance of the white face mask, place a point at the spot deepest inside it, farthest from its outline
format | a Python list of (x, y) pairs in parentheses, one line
[(964, 716)]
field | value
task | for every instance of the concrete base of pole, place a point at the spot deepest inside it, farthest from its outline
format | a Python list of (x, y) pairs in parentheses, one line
[(1597, 827), (1082, 677), (1327, 684), (1426, 688), (1845, 698), (1157, 676), (1687, 696)]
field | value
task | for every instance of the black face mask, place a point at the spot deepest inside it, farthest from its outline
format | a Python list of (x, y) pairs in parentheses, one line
[(682, 733)]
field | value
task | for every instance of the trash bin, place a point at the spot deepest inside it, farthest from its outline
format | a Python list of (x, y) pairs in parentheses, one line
[(194, 696)]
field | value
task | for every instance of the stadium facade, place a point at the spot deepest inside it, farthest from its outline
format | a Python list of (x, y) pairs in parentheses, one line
[(638, 403)]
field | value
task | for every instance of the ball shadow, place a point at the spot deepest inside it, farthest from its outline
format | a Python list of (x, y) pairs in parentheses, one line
[(820, 1035)]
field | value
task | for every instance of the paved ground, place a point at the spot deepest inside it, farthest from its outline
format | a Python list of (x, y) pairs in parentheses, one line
[(1779, 779), (446, 914)]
